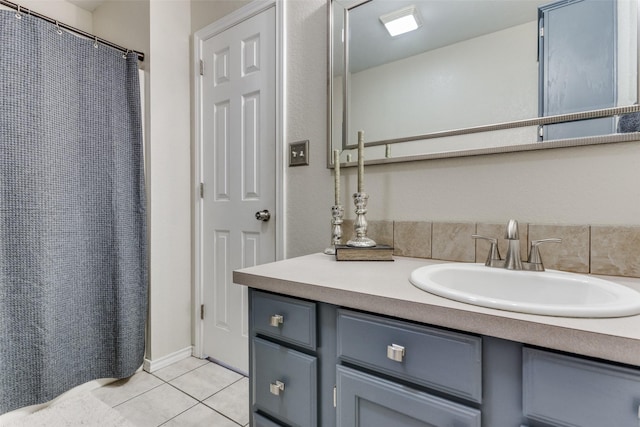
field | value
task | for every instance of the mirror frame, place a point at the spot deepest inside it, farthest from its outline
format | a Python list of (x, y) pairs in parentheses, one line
[(538, 121)]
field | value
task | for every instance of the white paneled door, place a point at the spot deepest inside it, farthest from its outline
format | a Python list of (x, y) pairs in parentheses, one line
[(238, 170)]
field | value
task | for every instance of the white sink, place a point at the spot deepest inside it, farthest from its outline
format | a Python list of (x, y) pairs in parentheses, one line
[(550, 293)]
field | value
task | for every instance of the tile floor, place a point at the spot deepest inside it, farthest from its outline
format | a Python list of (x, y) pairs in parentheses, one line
[(191, 392)]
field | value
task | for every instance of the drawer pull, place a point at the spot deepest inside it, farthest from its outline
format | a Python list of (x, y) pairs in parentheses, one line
[(395, 352), (276, 320), (276, 388)]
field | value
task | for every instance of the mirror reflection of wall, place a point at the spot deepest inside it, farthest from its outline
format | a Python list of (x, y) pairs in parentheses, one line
[(487, 79), (480, 67)]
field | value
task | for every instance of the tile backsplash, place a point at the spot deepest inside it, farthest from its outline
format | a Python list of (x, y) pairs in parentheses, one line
[(412, 238), (615, 251), (595, 249), (452, 241)]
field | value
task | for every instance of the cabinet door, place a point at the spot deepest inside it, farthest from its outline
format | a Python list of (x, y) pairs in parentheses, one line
[(567, 391), (368, 401)]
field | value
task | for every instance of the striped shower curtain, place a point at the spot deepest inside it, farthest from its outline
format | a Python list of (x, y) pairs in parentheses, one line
[(73, 250)]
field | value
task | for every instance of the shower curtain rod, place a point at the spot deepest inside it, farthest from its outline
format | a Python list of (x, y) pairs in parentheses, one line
[(28, 11)]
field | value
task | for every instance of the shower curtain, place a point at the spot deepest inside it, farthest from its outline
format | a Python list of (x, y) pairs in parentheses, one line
[(73, 251)]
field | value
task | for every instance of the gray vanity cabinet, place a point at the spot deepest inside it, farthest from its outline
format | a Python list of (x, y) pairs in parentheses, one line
[(292, 361), (283, 376), (313, 364)]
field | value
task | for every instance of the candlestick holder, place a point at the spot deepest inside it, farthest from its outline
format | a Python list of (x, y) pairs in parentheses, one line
[(337, 213), (360, 225)]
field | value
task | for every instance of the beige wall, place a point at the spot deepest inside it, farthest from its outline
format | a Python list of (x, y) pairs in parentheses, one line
[(161, 29), (124, 23), (586, 185), (309, 189), (61, 10), (169, 160), (205, 12)]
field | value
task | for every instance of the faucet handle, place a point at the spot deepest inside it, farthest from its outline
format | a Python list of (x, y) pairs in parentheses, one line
[(494, 253), (534, 253)]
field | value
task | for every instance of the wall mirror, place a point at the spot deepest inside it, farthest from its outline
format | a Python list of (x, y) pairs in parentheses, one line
[(481, 76)]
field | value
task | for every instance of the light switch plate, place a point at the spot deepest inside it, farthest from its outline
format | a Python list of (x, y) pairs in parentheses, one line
[(299, 153)]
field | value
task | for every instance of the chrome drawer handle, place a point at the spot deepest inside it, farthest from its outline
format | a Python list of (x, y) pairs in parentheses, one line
[(395, 352), (276, 320), (276, 388)]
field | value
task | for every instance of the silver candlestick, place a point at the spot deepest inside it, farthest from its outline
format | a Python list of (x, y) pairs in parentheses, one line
[(337, 213), (360, 225)]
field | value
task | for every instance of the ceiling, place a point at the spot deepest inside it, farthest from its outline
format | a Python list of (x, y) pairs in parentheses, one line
[(89, 5)]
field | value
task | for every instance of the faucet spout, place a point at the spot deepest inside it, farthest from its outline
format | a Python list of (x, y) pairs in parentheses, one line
[(512, 260), (511, 232)]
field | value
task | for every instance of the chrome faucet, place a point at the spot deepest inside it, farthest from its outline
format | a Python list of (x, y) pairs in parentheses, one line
[(512, 260)]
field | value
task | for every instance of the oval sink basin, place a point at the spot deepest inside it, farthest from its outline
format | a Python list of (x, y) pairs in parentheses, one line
[(549, 293)]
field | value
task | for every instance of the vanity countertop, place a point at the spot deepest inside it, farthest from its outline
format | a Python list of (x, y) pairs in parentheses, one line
[(384, 288)]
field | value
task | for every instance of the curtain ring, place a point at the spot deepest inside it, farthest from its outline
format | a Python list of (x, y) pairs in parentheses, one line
[(125, 54), (18, 13), (95, 42), (58, 28)]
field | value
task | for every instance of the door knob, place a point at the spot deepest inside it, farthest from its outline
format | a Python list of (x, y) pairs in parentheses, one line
[(263, 215)]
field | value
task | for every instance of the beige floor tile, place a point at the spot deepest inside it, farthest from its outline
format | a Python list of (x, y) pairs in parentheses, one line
[(198, 416), (120, 391), (205, 380), (156, 406), (233, 401), (179, 368)]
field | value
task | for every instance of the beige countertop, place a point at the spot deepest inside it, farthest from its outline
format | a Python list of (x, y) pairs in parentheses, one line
[(384, 288)]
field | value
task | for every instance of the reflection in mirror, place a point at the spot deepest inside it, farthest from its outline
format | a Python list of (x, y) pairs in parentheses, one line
[(477, 63)]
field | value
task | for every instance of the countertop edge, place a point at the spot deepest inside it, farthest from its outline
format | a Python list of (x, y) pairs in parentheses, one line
[(587, 343)]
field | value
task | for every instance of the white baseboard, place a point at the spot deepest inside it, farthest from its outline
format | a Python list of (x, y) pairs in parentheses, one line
[(164, 361)]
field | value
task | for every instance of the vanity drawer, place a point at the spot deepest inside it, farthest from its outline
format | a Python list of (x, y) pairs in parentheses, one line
[(286, 319), (442, 360), (260, 421), (284, 383), (570, 391)]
